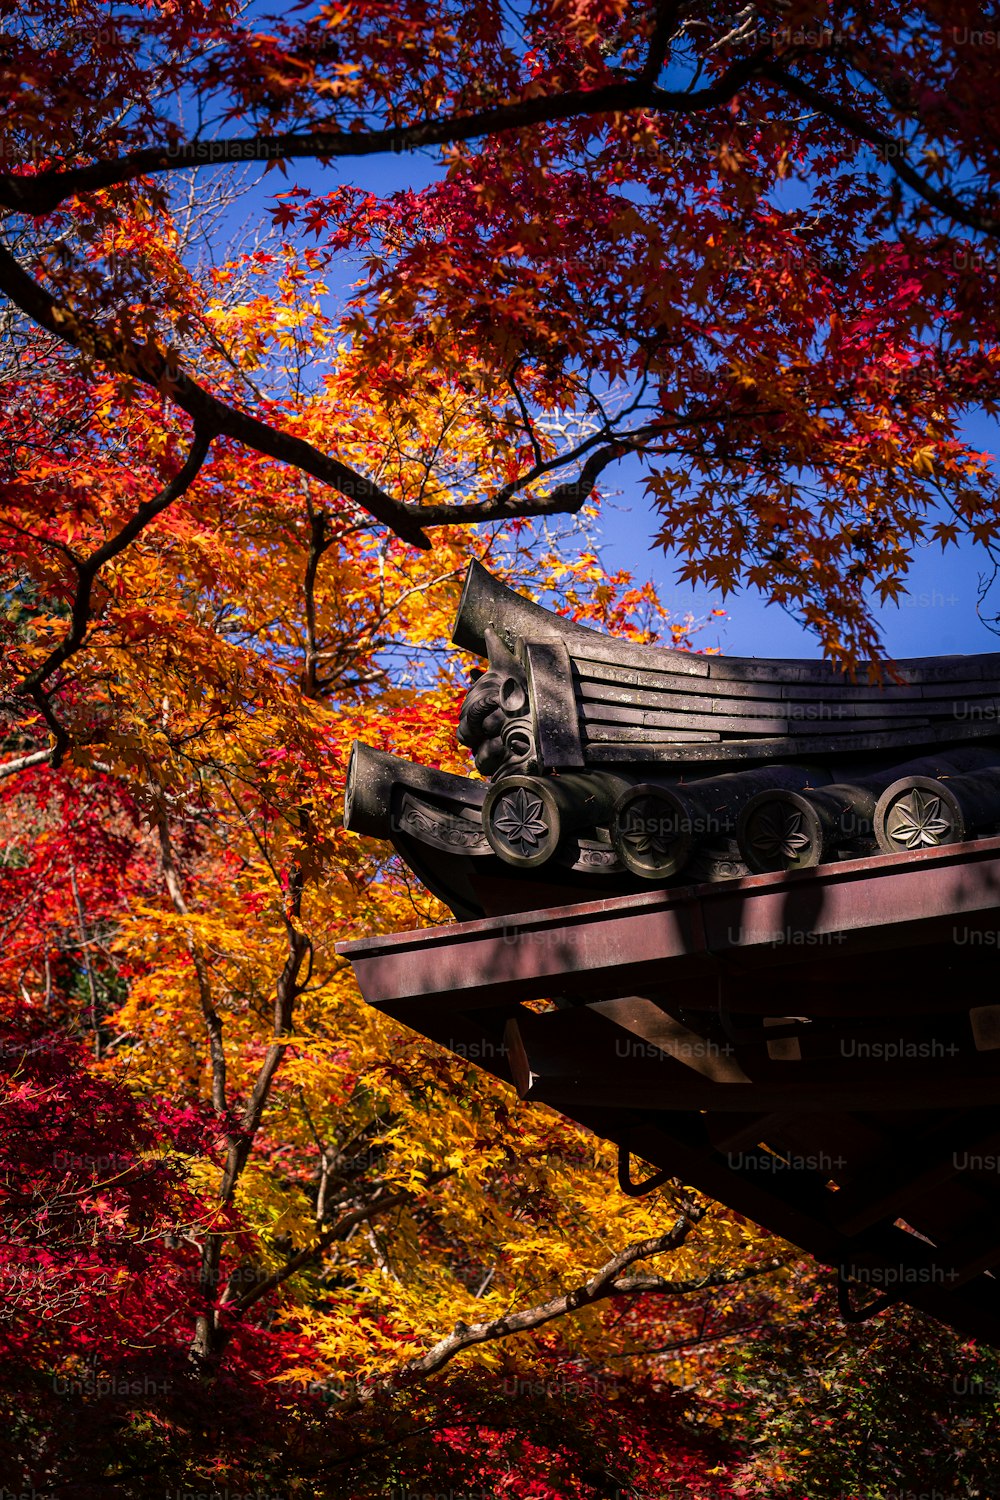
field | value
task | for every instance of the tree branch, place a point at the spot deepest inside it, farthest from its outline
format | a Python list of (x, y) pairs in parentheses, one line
[(337, 1231), (211, 416), (44, 191), (88, 569), (22, 762), (664, 26), (565, 499), (240, 1141), (213, 1021), (81, 922), (893, 148), (605, 1283), (286, 992), (662, 1286), (319, 542)]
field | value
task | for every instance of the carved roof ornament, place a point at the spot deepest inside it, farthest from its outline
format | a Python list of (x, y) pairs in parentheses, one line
[(518, 823), (776, 836), (612, 766), (915, 821), (495, 723)]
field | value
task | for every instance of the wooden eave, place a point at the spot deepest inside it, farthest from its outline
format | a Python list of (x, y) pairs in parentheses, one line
[(819, 1050)]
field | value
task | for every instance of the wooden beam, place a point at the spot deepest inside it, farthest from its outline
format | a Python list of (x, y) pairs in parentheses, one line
[(631, 944), (577, 1056), (891, 1259)]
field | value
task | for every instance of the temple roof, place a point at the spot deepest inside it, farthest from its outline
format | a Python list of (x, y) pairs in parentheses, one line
[(613, 765), (763, 904)]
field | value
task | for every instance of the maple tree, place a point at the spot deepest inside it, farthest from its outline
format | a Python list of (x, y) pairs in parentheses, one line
[(255, 1233), (900, 1404), (341, 1213), (755, 252), (183, 871)]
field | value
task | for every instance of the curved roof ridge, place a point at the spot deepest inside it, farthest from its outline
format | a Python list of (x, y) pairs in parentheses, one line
[(488, 603)]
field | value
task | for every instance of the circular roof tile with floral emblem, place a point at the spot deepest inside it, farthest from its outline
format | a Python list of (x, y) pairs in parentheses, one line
[(521, 819), (780, 831), (653, 831), (917, 812)]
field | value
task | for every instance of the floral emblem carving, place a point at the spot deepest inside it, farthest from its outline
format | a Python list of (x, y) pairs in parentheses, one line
[(645, 832), (918, 821), (778, 834), (519, 818)]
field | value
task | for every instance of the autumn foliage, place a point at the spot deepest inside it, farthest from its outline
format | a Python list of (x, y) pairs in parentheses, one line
[(256, 1237)]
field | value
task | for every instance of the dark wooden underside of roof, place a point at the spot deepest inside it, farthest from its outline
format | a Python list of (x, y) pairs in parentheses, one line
[(819, 1050)]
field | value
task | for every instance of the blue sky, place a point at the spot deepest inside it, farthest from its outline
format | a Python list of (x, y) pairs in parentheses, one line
[(939, 616)]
